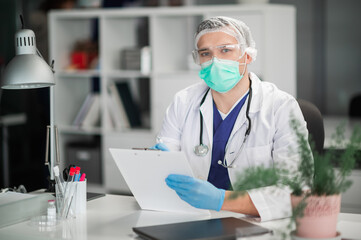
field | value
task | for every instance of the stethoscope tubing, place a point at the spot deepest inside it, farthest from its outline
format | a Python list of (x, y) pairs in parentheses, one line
[(245, 135), (201, 118)]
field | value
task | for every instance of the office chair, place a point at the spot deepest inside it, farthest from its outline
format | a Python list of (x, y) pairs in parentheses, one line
[(314, 120), (355, 106)]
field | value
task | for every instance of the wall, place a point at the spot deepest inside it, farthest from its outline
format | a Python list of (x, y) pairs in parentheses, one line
[(343, 54), (328, 52)]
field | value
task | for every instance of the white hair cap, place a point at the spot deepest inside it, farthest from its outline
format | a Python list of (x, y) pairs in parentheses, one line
[(231, 26)]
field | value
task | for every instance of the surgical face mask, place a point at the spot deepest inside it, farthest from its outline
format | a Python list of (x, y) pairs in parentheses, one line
[(221, 75)]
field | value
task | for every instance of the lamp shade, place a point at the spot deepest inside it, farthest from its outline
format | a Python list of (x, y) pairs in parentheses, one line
[(27, 70)]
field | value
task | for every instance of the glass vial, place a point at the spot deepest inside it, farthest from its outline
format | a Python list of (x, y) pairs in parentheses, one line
[(51, 210)]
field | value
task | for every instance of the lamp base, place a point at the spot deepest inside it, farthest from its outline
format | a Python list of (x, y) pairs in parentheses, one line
[(51, 185)]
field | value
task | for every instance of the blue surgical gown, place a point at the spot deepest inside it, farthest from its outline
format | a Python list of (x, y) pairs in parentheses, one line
[(218, 175)]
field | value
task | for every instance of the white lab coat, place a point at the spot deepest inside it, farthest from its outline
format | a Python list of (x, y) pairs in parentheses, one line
[(269, 142)]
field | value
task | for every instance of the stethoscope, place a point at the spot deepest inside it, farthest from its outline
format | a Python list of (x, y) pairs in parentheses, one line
[(201, 150)]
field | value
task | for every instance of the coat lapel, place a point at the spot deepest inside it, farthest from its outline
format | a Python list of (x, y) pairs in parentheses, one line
[(207, 113), (254, 107)]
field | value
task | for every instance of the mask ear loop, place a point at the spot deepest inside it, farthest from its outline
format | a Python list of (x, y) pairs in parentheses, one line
[(245, 60)]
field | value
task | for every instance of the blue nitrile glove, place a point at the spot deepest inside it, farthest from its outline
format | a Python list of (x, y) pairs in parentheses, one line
[(160, 146), (196, 192)]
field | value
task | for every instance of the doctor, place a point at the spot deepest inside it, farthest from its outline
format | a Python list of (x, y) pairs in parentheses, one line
[(228, 122)]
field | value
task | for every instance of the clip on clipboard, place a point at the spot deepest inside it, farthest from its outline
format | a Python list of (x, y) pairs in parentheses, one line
[(146, 149)]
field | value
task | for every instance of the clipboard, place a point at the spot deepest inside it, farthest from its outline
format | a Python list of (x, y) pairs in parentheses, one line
[(145, 173)]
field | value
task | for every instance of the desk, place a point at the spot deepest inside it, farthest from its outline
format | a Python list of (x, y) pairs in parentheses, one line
[(113, 216)]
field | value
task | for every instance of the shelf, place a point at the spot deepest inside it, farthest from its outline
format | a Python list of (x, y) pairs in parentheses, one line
[(78, 73), (73, 130), (126, 74), (79, 130), (128, 131)]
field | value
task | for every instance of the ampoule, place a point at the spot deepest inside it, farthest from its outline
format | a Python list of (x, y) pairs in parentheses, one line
[(51, 210)]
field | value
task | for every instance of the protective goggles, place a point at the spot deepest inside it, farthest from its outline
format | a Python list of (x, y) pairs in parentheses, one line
[(228, 52)]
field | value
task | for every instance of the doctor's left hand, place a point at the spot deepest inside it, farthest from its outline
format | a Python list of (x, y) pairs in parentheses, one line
[(196, 192), (160, 146)]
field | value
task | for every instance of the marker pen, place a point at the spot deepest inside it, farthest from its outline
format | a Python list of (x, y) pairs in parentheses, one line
[(82, 178)]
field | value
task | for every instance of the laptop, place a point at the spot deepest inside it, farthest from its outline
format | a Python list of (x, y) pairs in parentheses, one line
[(211, 229)]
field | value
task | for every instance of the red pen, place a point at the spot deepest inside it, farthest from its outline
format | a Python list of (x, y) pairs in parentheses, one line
[(71, 174), (82, 178)]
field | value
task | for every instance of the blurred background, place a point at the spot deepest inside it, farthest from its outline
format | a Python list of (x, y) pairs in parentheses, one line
[(328, 68)]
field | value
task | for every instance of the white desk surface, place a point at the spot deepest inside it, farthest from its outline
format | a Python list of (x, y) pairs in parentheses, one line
[(113, 216)]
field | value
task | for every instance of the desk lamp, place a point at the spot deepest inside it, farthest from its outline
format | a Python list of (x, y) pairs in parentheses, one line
[(28, 70)]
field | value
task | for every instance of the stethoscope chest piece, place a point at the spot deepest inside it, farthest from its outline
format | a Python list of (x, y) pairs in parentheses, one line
[(201, 150)]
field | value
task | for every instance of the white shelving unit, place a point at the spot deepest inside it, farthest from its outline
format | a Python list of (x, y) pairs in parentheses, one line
[(169, 33)]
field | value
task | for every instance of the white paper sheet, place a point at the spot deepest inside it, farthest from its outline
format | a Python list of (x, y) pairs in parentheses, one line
[(145, 173)]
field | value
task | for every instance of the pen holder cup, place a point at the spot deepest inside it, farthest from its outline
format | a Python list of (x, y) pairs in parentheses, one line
[(73, 201), (79, 204)]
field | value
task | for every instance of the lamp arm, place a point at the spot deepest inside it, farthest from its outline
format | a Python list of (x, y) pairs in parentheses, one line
[(52, 130), (52, 133), (52, 61), (22, 22), (57, 146), (47, 146)]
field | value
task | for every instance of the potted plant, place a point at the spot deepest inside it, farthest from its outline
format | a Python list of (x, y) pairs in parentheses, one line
[(316, 209)]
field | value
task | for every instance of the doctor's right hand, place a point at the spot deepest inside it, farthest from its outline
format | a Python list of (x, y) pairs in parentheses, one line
[(160, 146)]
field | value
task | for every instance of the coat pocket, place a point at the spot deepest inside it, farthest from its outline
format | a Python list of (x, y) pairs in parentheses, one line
[(262, 155)]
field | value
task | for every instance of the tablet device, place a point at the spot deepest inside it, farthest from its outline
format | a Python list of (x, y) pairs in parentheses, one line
[(145, 173), (221, 228)]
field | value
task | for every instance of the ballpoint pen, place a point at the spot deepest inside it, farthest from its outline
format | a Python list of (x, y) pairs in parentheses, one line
[(77, 174)]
